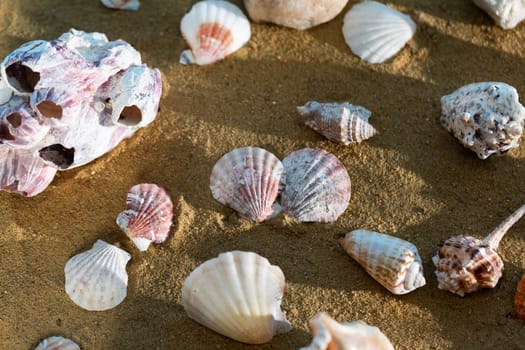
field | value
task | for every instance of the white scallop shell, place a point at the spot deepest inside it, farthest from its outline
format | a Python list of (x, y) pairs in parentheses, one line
[(238, 294), (247, 180), (97, 280), (391, 261), (376, 32), (506, 13), (57, 343), (213, 30), (131, 5)]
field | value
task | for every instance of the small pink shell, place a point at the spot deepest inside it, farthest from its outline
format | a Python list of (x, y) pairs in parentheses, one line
[(57, 343), (148, 215)]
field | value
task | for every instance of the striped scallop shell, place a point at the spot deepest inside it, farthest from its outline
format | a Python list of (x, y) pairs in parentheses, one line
[(339, 122), (316, 186), (148, 215), (247, 180), (357, 335), (213, 30), (96, 280), (132, 5), (57, 343), (519, 299), (391, 261), (376, 32), (238, 294)]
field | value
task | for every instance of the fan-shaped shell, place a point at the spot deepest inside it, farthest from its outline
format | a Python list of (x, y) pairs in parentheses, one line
[(57, 343), (357, 335), (519, 299), (132, 5), (238, 294), (213, 30), (316, 186), (148, 215), (376, 32), (247, 180), (96, 280), (391, 261), (339, 122)]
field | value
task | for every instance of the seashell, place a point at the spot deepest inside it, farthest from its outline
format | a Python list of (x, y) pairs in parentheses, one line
[(238, 294), (465, 264), (519, 299), (213, 30), (485, 117), (357, 335), (148, 215), (316, 186), (23, 172), (247, 180), (5, 92), (131, 5), (339, 122), (294, 14), (391, 261), (506, 13), (376, 32), (57, 343), (96, 280)]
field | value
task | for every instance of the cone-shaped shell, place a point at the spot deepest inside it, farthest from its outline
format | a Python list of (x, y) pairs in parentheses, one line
[(238, 294), (131, 5), (57, 343), (519, 299), (357, 335), (376, 32), (148, 215), (96, 280), (213, 30), (247, 180), (393, 262), (339, 122), (316, 186)]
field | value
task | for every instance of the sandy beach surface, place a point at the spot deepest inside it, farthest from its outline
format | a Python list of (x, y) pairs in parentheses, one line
[(413, 180)]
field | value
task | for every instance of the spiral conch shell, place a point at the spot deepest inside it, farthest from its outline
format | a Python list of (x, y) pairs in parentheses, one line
[(357, 335), (465, 264), (391, 261), (57, 343), (519, 299), (238, 294)]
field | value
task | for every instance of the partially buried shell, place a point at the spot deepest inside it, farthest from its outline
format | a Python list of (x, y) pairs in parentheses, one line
[(96, 280), (376, 32), (247, 180), (57, 343), (316, 186), (238, 294), (339, 122), (148, 215), (357, 335), (213, 30), (132, 5), (391, 261), (519, 299)]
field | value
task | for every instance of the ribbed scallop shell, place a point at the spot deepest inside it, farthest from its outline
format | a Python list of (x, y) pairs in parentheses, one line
[(247, 180), (316, 186), (213, 30), (148, 215), (339, 122), (391, 261), (96, 280), (132, 5), (357, 335), (519, 299), (376, 32), (57, 343), (238, 294)]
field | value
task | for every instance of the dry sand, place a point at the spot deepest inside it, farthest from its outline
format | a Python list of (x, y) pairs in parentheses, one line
[(414, 181)]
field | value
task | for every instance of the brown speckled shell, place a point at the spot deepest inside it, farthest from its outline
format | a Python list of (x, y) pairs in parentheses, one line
[(519, 299)]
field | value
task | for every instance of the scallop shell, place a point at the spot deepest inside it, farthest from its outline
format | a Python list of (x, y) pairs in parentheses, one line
[(96, 280), (247, 180), (238, 294), (391, 261), (213, 30), (57, 343), (148, 215), (357, 335), (506, 13), (519, 299), (339, 122), (376, 32), (485, 117), (131, 5), (5, 92), (316, 186)]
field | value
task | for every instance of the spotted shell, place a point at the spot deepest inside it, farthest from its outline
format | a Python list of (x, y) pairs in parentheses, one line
[(132, 5), (148, 215), (316, 186), (391, 261), (247, 180), (519, 299), (339, 122), (57, 343)]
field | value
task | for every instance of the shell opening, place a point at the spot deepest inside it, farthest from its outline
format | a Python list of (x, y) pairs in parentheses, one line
[(50, 109), (59, 155), (130, 115), (15, 119), (22, 78)]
